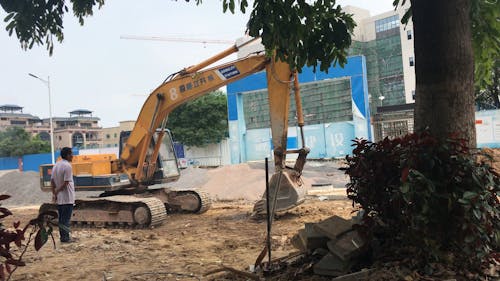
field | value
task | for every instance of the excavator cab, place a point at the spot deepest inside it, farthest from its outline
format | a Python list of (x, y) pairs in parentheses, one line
[(166, 168)]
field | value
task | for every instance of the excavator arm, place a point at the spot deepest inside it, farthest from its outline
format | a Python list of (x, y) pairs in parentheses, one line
[(194, 82)]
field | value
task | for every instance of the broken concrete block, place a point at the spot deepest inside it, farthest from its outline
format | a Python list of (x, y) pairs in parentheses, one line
[(363, 274), (333, 227), (331, 265), (313, 238), (347, 246)]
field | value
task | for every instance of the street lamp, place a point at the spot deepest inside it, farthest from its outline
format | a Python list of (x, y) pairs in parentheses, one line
[(381, 98), (47, 82)]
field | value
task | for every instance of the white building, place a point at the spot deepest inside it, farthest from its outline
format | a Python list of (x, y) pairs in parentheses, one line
[(388, 46)]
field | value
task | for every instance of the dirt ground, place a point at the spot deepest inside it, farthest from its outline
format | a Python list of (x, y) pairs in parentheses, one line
[(185, 247)]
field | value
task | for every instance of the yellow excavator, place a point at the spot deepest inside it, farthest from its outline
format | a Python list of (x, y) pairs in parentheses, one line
[(134, 186)]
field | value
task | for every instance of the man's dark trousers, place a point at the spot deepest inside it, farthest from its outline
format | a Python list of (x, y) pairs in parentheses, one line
[(65, 212)]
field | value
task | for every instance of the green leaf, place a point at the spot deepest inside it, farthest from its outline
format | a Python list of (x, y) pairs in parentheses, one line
[(41, 238), (468, 195), (224, 6), (477, 214), (8, 17), (405, 188)]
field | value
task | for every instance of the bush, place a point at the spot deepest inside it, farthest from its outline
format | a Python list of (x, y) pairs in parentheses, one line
[(432, 196), (41, 227)]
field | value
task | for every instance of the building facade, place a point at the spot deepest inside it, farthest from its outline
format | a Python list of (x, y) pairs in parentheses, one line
[(12, 115), (79, 130), (388, 47), (111, 135)]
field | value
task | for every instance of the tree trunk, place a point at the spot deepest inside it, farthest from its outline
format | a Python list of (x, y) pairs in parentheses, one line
[(444, 68)]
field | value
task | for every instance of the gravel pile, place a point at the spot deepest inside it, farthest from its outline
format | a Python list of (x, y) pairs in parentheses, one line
[(23, 187)]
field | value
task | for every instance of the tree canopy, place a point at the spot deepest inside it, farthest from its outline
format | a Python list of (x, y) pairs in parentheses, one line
[(201, 121), (15, 141)]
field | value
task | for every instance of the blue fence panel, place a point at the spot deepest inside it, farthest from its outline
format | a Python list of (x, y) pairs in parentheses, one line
[(8, 163), (31, 162), (258, 146), (291, 143), (338, 138), (315, 140)]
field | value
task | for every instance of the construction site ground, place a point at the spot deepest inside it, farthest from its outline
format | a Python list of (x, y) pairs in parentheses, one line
[(186, 246)]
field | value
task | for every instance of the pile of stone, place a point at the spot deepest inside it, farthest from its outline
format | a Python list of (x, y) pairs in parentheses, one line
[(340, 246)]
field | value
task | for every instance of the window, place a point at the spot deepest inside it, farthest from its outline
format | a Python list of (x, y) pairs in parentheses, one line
[(386, 23), (60, 138), (413, 94), (17, 122), (412, 61), (116, 135), (409, 34), (108, 136)]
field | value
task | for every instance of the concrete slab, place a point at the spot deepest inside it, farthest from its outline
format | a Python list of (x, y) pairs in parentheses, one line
[(333, 227), (363, 274), (331, 265), (314, 239), (298, 242), (347, 246)]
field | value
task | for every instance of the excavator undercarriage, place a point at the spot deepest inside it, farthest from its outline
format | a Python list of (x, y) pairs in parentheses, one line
[(144, 210)]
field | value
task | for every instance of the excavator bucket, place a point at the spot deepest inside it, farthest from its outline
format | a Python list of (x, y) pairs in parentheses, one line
[(286, 191)]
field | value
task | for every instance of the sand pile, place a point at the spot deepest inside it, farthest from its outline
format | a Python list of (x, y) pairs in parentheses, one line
[(236, 182)]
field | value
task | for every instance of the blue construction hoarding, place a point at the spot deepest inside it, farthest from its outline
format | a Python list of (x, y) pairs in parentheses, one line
[(326, 139)]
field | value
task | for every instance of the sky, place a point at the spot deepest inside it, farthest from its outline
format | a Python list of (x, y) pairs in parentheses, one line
[(95, 69)]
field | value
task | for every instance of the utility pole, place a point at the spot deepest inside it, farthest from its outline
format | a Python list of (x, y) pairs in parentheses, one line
[(47, 82)]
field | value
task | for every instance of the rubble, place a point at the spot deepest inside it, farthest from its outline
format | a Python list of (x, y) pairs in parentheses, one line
[(340, 246)]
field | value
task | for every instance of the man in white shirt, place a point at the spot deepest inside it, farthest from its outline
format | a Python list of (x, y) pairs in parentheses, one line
[(63, 191)]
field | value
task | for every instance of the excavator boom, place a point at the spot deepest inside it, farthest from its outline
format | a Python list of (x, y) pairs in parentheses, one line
[(183, 87)]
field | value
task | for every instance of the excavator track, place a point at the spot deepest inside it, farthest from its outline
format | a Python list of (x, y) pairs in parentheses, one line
[(188, 201), (120, 211)]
